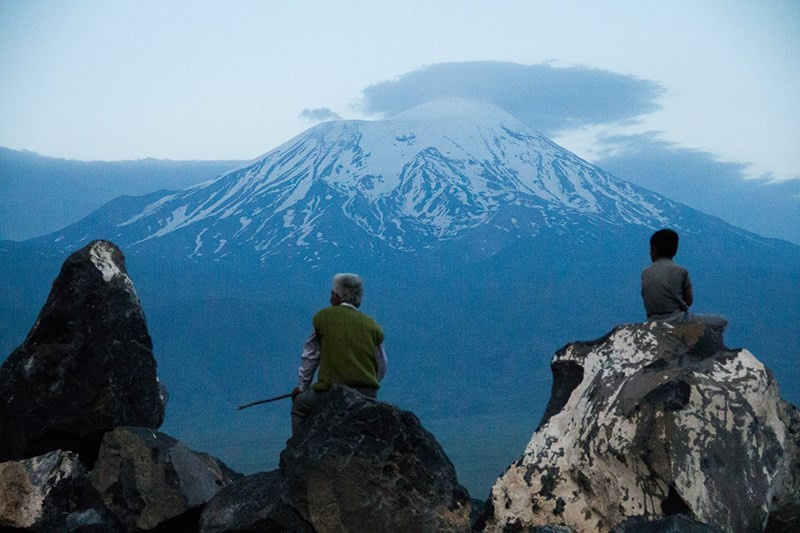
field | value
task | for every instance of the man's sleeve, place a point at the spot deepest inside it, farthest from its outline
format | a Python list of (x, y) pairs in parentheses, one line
[(686, 291), (380, 357), (309, 362)]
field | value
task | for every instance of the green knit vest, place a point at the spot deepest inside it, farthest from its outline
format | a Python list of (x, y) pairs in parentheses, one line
[(348, 340)]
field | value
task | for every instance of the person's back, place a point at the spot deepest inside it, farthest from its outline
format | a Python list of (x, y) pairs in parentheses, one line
[(348, 341), (345, 348), (664, 287)]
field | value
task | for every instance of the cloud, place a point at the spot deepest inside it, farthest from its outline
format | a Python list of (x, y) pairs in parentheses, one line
[(319, 114), (696, 178), (545, 97)]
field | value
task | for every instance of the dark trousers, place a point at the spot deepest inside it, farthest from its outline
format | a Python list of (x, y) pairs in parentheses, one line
[(310, 400)]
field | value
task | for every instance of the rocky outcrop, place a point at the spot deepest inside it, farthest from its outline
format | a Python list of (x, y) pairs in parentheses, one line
[(784, 514), (85, 373), (364, 462), (654, 427), (47, 492), (652, 421), (356, 465), (254, 503), (85, 368), (147, 478), (671, 524), (142, 480)]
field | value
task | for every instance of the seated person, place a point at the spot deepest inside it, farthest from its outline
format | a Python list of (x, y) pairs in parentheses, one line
[(346, 346), (667, 289)]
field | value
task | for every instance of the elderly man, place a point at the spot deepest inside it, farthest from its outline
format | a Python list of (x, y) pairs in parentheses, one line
[(347, 347)]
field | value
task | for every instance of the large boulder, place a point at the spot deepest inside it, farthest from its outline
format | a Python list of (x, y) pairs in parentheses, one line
[(253, 503), (651, 421), (85, 368), (50, 492), (147, 478), (364, 465), (669, 524), (356, 465), (784, 513)]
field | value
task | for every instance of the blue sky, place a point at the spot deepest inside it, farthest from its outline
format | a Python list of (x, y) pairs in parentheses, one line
[(622, 83)]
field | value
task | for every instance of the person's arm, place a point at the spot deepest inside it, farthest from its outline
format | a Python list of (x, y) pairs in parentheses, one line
[(688, 296), (380, 357), (309, 362)]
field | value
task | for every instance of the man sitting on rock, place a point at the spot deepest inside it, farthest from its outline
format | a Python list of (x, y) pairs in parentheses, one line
[(667, 289), (347, 347)]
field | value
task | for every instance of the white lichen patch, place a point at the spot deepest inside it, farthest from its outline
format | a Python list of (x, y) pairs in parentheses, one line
[(102, 257)]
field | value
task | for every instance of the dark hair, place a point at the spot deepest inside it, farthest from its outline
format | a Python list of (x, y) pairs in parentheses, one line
[(665, 242)]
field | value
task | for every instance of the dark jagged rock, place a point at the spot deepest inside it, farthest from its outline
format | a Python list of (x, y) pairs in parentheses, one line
[(51, 492), (147, 478), (363, 465), (253, 503), (357, 465), (656, 420), (85, 368), (784, 514), (670, 524), (141, 480), (481, 522)]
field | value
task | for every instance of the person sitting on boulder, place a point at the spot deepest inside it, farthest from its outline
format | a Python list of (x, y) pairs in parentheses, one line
[(347, 347), (667, 289)]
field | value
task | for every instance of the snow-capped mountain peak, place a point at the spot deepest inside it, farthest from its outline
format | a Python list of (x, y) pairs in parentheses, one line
[(432, 173)]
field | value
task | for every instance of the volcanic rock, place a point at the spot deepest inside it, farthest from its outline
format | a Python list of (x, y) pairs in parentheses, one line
[(784, 514), (147, 478), (656, 420), (253, 503), (361, 464), (85, 368), (670, 524), (50, 492), (356, 465)]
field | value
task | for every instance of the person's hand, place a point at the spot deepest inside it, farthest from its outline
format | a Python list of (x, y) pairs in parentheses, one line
[(295, 392)]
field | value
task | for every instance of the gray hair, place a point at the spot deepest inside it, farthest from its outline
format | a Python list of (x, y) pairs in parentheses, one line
[(349, 288)]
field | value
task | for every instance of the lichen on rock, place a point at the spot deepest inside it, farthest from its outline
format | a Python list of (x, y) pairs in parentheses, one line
[(663, 420)]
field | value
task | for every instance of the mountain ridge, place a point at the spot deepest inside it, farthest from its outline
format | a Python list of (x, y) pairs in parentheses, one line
[(45, 194), (406, 182)]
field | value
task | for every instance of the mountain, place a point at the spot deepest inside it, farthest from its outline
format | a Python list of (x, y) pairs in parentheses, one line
[(441, 172), (484, 247), (40, 194)]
